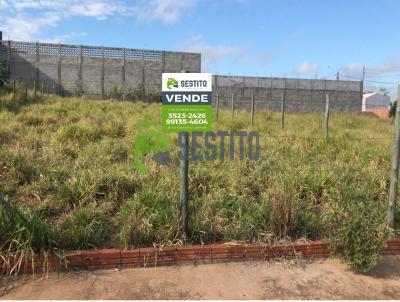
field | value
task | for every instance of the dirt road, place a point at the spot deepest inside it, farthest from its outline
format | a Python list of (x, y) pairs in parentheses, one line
[(320, 279)]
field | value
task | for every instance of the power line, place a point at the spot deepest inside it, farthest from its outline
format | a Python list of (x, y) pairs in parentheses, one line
[(372, 81), (380, 82), (381, 69), (349, 76)]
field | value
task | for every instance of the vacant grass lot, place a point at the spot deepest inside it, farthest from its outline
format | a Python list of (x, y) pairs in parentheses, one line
[(68, 163)]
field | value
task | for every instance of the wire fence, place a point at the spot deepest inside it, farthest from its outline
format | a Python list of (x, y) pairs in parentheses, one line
[(297, 165)]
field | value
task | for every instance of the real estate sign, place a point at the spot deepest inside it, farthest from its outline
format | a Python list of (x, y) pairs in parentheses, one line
[(186, 99)]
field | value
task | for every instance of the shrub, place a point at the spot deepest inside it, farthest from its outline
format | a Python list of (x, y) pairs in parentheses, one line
[(78, 89), (153, 98), (3, 70), (115, 93), (136, 94), (359, 232)]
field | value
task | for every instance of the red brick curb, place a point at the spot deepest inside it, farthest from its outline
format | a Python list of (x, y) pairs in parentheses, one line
[(190, 254)]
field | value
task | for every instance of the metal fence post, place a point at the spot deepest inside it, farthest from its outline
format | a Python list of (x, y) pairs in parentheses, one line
[(123, 85), (283, 106), (26, 91), (283, 111), (102, 73), (217, 106), (37, 60), (327, 116), (34, 88), (59, 62), (232, 105), (9, 57), (184, 183), (13, 90), (252, 110), (144, 77), (394, 174)]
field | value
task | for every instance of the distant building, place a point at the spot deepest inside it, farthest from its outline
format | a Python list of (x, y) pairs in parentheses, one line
[(377, 103)]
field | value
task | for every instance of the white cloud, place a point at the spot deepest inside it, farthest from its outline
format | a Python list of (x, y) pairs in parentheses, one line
[(65, 38), (390, 65), (307, 67), (99, 9), (212, 55), (168, 11), (22, 27), (27, 19), (382, 75), (28, 4), (387, 67), (354, 69)]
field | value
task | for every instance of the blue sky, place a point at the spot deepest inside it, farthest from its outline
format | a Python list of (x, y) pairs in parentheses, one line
[(307, 39)]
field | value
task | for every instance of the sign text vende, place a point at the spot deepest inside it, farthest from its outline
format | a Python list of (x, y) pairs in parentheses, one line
[(182, 98)]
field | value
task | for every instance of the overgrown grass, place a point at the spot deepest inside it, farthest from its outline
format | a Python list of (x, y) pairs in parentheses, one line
[(69, 162)]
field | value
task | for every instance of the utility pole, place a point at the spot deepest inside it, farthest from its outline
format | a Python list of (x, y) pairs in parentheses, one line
[(337, 76), (362, 84), (326, 117), (394, 174), (252, 110), (363, 74)]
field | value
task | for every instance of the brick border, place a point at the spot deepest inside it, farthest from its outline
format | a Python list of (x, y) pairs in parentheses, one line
[(189, 254)]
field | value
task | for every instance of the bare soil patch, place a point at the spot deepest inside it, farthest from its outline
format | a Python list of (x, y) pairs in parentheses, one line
[(299, 279)]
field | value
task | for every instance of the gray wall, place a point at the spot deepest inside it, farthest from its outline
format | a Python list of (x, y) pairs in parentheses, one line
[(95, 69), (64, 68), (300, 95)]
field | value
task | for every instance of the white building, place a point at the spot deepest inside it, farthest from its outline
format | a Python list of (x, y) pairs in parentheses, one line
[(375, 101)]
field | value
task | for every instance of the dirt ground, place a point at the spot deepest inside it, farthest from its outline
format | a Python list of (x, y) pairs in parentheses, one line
[(296, 279)]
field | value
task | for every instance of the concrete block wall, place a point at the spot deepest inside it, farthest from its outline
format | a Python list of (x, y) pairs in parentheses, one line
[(95, 70), (300, 95)]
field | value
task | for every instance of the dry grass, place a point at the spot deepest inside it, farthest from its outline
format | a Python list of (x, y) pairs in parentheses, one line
[(70, 162)]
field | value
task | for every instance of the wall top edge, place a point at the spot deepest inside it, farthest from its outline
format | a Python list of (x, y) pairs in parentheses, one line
[(100, 47)]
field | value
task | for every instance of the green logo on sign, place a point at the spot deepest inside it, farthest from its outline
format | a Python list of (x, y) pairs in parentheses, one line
[(172, 83), (150, 139)]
